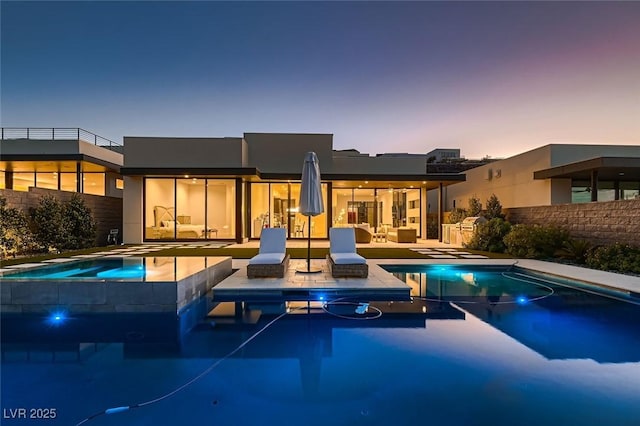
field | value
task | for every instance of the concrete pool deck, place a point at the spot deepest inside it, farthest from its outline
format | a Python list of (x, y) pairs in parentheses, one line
[(296, 286)]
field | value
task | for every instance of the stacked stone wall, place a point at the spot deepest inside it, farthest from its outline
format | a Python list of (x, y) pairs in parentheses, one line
[(107, 211), (598, 222)]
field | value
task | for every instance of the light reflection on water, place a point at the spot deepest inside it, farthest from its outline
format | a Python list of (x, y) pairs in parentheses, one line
[(570, 358)]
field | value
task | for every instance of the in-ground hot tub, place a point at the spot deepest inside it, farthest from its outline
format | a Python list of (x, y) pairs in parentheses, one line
[(131, 284)]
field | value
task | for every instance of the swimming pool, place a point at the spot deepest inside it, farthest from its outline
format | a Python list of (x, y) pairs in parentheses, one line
[(568, 357)]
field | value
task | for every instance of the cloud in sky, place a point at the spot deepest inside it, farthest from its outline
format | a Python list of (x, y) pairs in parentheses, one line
[(492, 78)]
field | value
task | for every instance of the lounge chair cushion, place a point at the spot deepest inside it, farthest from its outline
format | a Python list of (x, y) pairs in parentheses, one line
[(267, 259), (347, 258), (273, 240), (342, 240)]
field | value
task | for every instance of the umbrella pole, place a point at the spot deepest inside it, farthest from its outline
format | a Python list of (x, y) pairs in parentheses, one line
[(309, 245)]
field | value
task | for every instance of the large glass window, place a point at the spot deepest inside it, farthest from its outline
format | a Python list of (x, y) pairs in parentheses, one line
[(68, 182), (23, 180), (93, 183), (379, 208), (190, 208), (221, 208), (47, 180), (276, 205), (160, 209), (629, 190), (260, 212)]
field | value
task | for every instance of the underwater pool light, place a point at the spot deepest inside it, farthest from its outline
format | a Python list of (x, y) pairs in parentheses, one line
[(57, 318), (522, 300)]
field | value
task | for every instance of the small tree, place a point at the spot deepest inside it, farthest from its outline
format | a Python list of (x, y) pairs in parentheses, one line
[(48, 223), (494, 208), (15, 235), (80, 227), (456, 215), (475, 206)]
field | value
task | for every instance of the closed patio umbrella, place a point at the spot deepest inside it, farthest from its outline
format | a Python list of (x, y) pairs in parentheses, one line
[(310, 199)]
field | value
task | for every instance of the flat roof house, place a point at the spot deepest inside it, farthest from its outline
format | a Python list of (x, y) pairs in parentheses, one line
[(233, 187), (60, 161), (553, 174), (65, 159)]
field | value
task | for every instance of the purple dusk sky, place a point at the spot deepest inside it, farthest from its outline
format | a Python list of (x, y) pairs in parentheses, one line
[(491, 78)]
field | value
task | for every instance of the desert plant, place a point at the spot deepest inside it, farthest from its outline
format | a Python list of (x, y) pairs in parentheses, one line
[(535, 241), (15, 235), (48, 223), (616, 257), (574, 250), (80, 227), (494, 208), (489, 236)]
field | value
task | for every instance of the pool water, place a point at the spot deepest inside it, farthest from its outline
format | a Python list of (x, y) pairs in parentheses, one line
[(565, 357)]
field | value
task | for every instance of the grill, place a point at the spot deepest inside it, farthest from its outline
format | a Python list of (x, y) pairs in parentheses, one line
[(469, 224)]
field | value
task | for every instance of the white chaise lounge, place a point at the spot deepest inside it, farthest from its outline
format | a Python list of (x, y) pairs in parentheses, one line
[(272, 259), (343, 260)]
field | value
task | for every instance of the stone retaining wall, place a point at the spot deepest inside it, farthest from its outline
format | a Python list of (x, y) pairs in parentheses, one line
[(107, 211), (604, 222)]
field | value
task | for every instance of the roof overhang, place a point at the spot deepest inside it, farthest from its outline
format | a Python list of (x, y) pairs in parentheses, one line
[(55, 163), (608, 168)]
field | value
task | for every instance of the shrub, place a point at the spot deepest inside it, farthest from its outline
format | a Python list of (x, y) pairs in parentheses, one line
[(48, 223), (489, 236), (15, 235), (617, 257), (80, 228), (475, 207), (494, 208), (575, 250), (456, 215), (535, 241)]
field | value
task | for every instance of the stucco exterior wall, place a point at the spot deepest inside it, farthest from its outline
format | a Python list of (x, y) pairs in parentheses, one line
[(562, 154), (599, 222), (510, 179), (107, 211), (284, 153), (58, 147), (159, 152), (379, 165), (132, 206)]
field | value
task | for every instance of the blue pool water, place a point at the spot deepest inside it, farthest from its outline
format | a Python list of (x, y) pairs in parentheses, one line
[(121, 268), (465, 352)]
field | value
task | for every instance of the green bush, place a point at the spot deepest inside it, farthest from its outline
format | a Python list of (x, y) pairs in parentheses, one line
[(494, 208), (575, 250), (456, 215), (63, 226), (15, 236), (48, 224), (80, 227), (489, 236), (616, 257), (535, 241), (475, 207)]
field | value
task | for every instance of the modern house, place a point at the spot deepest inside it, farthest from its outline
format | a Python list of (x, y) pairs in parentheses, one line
[(65, 159), (233, 187), (550, 175), (62, 161)]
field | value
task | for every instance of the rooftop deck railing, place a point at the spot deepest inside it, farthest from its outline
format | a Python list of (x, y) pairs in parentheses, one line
[(58, 133)]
